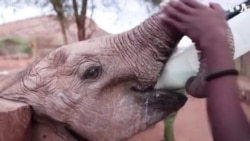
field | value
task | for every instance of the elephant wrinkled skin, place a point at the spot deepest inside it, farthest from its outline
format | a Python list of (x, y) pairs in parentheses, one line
[(101, 89)]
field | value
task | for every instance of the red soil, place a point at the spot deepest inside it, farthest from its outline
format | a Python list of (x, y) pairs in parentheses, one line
[(191, 124)]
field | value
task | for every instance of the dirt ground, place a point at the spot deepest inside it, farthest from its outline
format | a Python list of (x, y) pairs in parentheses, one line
[(191, 123)]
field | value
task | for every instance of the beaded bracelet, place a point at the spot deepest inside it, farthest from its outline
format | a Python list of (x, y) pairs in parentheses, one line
[(221, 74)]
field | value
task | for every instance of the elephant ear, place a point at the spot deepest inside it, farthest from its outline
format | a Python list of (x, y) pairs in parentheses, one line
[(195, 85)]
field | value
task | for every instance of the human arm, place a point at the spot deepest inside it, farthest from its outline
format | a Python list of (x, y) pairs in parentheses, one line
[(227, 120), (207, 27)]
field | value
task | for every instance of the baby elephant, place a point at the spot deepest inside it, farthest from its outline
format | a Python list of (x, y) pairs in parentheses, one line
[(101, 89)]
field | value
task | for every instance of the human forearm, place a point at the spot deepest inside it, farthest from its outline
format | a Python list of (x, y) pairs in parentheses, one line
[(217, 53), (222, 100)]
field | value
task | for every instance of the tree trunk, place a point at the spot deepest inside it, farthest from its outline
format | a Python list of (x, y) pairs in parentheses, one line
[(59, 9), (81, 30), (80, 18)]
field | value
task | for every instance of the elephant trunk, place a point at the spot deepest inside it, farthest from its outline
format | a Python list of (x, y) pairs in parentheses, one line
[(146, 48), (151, 34)]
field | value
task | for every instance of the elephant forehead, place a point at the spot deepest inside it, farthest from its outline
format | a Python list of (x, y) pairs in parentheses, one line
[(89, 48)]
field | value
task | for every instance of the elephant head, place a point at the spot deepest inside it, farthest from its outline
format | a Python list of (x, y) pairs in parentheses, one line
[(102, 89)]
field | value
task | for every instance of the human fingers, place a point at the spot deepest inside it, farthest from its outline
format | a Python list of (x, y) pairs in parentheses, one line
[(171, 10), (194, 88), (194, 4), (170, 21), (182, 7), (216, 7)]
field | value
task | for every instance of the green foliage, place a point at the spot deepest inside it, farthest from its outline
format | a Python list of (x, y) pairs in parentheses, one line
[(25, 50), (21, 45), (15, 39), (169, 129), (154, 2)]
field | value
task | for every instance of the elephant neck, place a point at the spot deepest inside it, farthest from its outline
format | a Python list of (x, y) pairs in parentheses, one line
[(152, 33)]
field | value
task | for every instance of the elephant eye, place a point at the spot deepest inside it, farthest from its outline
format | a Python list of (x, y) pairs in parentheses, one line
[(92, 72)]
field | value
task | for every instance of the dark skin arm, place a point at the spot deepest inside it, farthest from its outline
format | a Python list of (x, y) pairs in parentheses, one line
[(207, 27)]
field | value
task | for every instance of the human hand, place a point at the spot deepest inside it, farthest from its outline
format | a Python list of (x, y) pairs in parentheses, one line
[(207, 27), (203, 24)]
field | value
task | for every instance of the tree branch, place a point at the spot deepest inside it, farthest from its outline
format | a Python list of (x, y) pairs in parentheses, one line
[(58, 7), (84, 9), (75, 8)]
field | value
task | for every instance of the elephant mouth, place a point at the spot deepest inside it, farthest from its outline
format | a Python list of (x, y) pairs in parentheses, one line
[(165, 100), (162, 99)]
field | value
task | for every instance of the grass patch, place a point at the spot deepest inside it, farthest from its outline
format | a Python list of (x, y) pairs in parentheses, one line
[(15, 45), (169, 129)]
